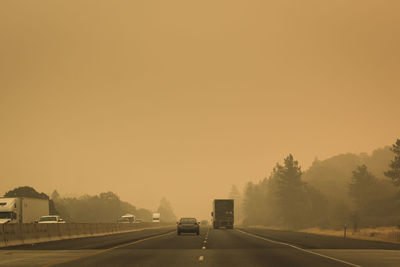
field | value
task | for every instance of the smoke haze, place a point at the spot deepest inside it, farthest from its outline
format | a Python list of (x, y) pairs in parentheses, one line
[(182, 99)]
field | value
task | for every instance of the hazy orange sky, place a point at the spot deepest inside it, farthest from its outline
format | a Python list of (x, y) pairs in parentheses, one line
[(182, 99)]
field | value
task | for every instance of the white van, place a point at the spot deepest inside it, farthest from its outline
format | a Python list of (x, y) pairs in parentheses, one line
[(156, 217)]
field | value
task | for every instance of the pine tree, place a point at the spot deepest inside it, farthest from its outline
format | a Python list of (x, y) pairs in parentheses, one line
[(166, 212), (394, 172), (290, 191), (361, 188)]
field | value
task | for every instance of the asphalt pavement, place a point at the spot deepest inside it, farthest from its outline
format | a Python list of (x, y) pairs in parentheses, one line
[(237, 247)]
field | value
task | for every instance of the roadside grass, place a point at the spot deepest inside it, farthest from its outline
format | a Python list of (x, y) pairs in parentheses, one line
[(387, 234)]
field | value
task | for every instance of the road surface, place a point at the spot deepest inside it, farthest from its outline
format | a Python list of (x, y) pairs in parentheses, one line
[(238, 247)]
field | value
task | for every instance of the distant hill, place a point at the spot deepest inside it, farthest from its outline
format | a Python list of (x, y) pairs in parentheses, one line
[(332, 176)]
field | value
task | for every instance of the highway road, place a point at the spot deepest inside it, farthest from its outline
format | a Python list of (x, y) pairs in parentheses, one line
[(238, 247)]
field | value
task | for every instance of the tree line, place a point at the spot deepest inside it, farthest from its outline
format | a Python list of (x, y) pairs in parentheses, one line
[(331, 193), (105, 207)]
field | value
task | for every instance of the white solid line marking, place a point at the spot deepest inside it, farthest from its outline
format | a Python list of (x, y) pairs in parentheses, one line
[(201, 258), (292, 246), (104, 250)]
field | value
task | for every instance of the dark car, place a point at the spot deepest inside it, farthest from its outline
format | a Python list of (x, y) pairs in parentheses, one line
[(188, 225)]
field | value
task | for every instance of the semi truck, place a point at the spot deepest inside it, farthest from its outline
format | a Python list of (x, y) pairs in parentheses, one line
[(22, 209), (223, 213)]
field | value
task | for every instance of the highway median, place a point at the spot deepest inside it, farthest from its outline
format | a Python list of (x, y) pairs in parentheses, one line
[(22, 234)]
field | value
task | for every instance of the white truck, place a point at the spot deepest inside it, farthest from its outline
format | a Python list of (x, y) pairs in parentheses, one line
[(156, 217), (22, 209)]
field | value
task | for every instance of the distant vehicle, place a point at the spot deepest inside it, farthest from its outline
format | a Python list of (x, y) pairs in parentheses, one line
[(204, 222), (188, 225), (127, 218), (156, 217), (223, 213), (51, 219), (22, 209)]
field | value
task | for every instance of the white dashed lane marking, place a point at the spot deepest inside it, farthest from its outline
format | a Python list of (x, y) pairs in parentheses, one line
[(201, 258)]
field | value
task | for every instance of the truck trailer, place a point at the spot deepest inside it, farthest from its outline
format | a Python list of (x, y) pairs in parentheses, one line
[(22, 209), (223, 213)]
